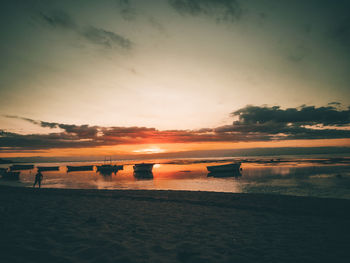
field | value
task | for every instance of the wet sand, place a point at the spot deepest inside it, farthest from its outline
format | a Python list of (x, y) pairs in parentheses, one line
[(60, 225)]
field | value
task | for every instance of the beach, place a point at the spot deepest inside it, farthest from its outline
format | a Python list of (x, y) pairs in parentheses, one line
[(66, 225)]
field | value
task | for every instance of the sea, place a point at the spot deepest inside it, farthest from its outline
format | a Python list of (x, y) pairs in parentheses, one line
[(312, 175)]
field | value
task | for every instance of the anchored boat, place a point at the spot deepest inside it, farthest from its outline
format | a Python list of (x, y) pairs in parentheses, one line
[(143, 167), (108, 168), (48, 168), (143, 170), (9, 175), (17, 167), (71, 168), (226, 170)]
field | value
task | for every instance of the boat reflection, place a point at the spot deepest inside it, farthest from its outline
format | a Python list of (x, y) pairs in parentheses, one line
[(224, 174), (106, 173), (106, 176), (143, 175)]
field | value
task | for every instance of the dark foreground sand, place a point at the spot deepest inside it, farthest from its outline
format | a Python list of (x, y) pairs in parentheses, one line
[(53, 225)]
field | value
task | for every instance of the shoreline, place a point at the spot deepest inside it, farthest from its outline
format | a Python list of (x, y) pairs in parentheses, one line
[(78, 225)]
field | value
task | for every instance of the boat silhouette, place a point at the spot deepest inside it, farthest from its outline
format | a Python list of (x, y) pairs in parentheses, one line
[(9, 175), (108, 168), (143, 167), (16, 167), (226, 170), (47, 168), (71, 168)]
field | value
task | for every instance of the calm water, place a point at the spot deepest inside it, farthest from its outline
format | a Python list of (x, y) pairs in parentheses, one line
[(303, 177)]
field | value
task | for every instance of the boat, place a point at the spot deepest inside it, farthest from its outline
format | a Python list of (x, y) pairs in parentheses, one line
[(48, 168), (17, 167), (143, 167), (226, 170), (79, 168), (9, 175), (108, 168), (143, 170)]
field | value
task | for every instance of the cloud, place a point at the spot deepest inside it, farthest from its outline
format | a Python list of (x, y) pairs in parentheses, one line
[(305, 122), (105, 38), (157, 25), (21, 118), (311, 115), (220, 10), (97, 36), (254, 123), (298, 53), (126, 10), (58, 19), (14, 141), (340, 32)]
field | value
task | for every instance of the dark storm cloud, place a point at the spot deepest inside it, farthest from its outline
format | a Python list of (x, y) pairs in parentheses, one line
[(305, 122), (10, 141), (80, 131), (254, 123), (304, 115), (98, 36), (334, 103), (273, 131), (220, 10)]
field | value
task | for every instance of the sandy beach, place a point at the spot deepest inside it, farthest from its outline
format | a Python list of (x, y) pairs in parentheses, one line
[(58, 225)]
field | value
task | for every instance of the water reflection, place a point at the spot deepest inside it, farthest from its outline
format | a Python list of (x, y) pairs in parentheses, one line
[(106, 173), (307, 178), (145, 175), (224, 174)]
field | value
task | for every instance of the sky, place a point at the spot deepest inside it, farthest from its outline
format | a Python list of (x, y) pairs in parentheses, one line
[(135, 76)]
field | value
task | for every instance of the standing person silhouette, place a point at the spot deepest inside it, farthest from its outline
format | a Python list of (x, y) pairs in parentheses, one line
[(38, 179)]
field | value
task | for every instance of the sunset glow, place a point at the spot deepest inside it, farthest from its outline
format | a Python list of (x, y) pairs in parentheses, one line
[(149, 150), (142, 78), (174, 131)]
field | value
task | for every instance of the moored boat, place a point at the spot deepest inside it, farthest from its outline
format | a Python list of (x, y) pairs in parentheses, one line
[(226, 170), (16, 167), (71, 168), (48, 168), (108, 168), (9, 175), (143, 167)]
